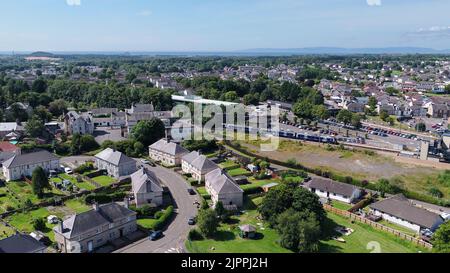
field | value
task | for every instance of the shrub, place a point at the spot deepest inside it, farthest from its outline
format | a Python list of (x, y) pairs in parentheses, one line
[(39, 224), (195, 235)]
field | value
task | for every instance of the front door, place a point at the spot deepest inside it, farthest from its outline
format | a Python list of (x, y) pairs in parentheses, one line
[(90, 246), (121, 232)]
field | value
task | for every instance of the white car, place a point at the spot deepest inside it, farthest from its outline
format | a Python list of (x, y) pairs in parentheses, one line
[(145, 161), (68, 170)]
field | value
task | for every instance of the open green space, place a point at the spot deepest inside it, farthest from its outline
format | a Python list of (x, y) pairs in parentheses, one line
[(104, 180)]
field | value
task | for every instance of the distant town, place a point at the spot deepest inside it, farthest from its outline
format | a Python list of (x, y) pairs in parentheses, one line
[(90, 162)]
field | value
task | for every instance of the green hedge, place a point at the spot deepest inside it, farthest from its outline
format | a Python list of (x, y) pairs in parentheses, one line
[(165, 217)]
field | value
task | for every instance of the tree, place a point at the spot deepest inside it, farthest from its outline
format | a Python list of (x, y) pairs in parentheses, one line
[(384, 115), (39, 224), (320, 112), (447, 89), (35, 127), (58, 107), (149, 131), (42, 113), (344, 116), (372, 104), (303, 109), (39, 86), (299, 231), (207, 222), (231, 96), (220, 210), (441, 239), (39, 182), (356, 120), (88, 143), (421, 127), (16, 113)]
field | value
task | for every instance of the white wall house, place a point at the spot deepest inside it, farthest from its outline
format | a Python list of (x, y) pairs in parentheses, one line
[(78, 124), (146, 188), (197, 165), (115, 163), (168, 153), (24, 164), (399, 210), (327, 188), (223, 188)]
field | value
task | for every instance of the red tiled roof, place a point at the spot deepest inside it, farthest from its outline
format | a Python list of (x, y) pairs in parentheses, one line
[(7, 147)]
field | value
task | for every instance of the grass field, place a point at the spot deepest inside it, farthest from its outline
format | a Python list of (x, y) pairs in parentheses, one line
[(358, 241), (104, 180), (238, 172)]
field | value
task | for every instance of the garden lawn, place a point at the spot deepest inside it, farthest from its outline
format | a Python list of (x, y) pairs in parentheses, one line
[(229, 164), (227, 239), (81, 185), (238, 172), (104, 180), (363, 234), (202, 191), (77, 206), (7, 200), (24, 221), (5, 231), (340, 205)]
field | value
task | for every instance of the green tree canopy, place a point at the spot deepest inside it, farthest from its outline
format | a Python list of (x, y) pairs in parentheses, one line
[(149, 131), (39, 182)]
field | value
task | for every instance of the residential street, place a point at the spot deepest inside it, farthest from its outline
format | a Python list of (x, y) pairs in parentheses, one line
[(176, 233)]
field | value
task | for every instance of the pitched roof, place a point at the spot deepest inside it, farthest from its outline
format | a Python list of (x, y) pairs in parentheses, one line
[(200, 162), (114, 157), (170, 148), (399, 206), (329, 185), (106, 214), (145, 181), (21, 243), (221, 182), (7, 147), (28, 159)]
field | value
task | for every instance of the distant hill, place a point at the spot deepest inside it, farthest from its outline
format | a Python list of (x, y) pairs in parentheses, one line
[(346, 51), (42, 54)]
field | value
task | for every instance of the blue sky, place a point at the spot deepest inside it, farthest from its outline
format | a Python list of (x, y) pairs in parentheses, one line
[(220, 25)]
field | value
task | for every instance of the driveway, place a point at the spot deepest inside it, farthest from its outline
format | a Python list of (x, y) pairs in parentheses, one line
[(75, 161), (176, 234)]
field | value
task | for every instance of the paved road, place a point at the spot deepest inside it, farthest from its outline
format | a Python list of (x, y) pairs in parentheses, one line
[(177, 232)]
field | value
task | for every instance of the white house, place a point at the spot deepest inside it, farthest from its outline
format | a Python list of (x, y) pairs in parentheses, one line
[(146, 188), (78, 123), (21, 165), (223, 188), (115, 163), (328, 188), (197, 165), (399, 210), (168, 153)]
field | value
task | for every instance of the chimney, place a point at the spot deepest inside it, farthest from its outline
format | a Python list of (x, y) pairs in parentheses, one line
[(61, 225), (95, 206), (126, 202)]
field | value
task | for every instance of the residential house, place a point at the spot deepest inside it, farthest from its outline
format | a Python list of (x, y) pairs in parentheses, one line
[(334, 190), (78, 123), (223, 188), (20, 106), (169, 153), (146, 188), (438, 110), (197, 165), (399, 210), (90, 230), (7, 128), (115, 163), (21, 165), (21, 244)]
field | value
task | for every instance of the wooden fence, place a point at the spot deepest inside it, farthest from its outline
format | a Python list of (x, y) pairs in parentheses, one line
[(378, 226)]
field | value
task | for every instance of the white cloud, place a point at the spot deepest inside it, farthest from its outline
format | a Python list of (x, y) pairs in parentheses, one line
[(73, 2), (145, 13), (374, 2)]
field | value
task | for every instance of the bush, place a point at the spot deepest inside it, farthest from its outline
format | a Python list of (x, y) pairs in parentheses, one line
[(162, 220), (39, 224), (195, 235), (158, 214), (88, 166)]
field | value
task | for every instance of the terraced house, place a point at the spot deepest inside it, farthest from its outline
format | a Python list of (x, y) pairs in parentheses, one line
[(197, 165), (115, 163), (21, 165), (87, 231), (167, 152), (223, 188)]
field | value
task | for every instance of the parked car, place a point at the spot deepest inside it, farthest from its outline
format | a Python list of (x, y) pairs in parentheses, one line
[(191, 191), (156, 235), (145, 161), (191, 221), (68, 170)]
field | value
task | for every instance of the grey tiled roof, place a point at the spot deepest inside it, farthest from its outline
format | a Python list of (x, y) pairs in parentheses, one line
[(200, 162), (400, 207), (81, 223), (221, 182), (329, 185), (170, 148), (145, 181), (28, 159), (21, 243), (114, 157)]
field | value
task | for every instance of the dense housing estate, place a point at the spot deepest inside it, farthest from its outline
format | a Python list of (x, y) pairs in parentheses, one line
[(20, 165)]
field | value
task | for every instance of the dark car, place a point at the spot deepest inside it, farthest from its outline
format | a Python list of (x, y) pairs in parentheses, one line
[(191, 191), (191, 221), (156, 235)]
